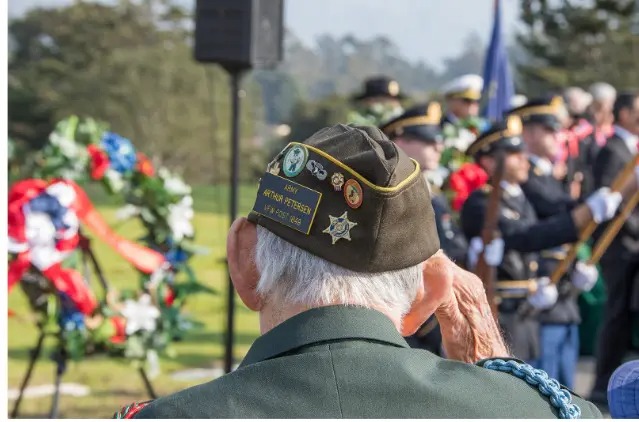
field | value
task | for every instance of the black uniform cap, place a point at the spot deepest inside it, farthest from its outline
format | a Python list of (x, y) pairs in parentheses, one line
[(421, 122), (544, 111), (505, 135)]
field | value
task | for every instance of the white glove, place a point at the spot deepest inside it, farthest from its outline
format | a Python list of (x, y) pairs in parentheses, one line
[(493, 253), (546, 295), (585, 276), (603, 204)]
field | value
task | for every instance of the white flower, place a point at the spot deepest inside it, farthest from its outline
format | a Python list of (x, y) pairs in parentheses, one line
[(127, 212), (141, 315), (39, 230), (67, 146), (114, 179), (464, 139), (63, 192), (180, 216), (174, 185)]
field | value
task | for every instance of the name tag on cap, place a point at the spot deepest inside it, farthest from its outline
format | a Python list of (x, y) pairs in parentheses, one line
[(287, 202)]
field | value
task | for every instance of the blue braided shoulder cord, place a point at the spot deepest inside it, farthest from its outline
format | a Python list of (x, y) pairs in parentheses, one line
[(559, 398)]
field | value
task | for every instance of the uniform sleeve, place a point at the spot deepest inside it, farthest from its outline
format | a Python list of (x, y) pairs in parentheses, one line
[(472, 215), (554, 231), (547, 202), (548, 233)]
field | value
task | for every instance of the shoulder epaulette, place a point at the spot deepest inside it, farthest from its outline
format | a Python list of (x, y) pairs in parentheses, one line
[(128, 412)]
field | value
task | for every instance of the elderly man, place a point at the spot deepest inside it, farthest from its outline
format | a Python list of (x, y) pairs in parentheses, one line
[(331, 260)]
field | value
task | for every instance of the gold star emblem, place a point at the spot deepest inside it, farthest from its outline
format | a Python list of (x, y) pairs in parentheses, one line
[(340, 227)]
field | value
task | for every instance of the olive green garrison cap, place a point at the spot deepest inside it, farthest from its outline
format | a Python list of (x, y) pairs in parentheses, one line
[(348, 195)]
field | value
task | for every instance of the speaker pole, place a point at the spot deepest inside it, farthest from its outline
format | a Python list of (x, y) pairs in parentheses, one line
[(236, 75)]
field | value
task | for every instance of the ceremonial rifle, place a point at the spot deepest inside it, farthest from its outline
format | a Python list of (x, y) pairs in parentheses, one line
[(490, 231), (613, 229), (626, 173)]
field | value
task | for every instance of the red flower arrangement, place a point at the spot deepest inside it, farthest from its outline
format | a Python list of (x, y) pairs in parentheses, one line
[(99, 162), (144, 165), (464, 181)]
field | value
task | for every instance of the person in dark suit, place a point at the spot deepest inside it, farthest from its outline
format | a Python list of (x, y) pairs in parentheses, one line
[(559, 325), (418, 134), (620, 263)]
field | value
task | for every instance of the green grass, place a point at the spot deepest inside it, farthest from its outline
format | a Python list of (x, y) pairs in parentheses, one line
[(114, 382)]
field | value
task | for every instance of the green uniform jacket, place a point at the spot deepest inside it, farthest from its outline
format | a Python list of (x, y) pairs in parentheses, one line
[(347, 362)]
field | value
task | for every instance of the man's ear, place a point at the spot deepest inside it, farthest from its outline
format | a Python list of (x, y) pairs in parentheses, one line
[(240, 251)]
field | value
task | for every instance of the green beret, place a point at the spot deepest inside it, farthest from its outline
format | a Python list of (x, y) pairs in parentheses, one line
[(348, 195)]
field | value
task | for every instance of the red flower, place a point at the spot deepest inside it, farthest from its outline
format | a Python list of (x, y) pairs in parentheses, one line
[(144, 165), (169, 296), (119, 323), (99, 162), (464, 181)]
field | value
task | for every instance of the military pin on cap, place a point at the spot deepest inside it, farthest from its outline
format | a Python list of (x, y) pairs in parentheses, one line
[(353, 193), (337, 180), (294, 160), (340, 227)]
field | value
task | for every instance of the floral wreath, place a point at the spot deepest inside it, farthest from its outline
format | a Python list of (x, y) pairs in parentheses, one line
[(49, 209)]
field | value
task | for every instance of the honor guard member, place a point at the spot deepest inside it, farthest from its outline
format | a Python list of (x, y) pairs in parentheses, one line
[(462, 96), (620, 262), (559, 325), (331, 259), (379, 101), (418, 134), (524, 236)]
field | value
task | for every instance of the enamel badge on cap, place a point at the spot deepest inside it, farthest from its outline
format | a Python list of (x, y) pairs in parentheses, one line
[(353, 193), (340, 227), (294, 160)]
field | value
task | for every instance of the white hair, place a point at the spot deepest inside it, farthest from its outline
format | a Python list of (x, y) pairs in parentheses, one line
[(602, 91), (296, 277), (577, 100)]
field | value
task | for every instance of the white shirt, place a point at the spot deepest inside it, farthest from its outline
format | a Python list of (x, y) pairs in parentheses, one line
[(542, 164), (511, 189), (630, 139)]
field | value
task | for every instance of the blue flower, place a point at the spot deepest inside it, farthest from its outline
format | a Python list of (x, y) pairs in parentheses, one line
[(50, 205), (176, 256), (120, 150), (69, 317)]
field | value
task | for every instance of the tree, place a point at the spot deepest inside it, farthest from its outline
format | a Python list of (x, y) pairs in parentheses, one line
[(575, 43), (131, 65)]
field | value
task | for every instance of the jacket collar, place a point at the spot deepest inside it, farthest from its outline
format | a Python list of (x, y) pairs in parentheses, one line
[(323, 324)]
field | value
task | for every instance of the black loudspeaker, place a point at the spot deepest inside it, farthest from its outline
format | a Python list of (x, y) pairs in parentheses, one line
[(239, 34)]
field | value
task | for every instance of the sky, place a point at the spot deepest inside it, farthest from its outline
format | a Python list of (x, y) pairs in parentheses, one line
[(428, 30)]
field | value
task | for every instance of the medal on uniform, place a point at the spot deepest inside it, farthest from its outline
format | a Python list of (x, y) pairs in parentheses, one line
[(353, 193), (294, 160), (337, 180), (316, 169), (340, 227)]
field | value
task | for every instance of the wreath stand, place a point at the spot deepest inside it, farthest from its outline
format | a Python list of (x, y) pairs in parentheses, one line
[(37, 289)]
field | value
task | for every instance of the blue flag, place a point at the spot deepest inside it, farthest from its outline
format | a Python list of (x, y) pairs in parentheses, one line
[(498, 82)]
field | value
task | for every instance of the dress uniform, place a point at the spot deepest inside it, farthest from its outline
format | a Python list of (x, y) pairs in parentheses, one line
[(620, 262), (524, 236), (466, 88), (420, 124), (355, 205), (559, 330)]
